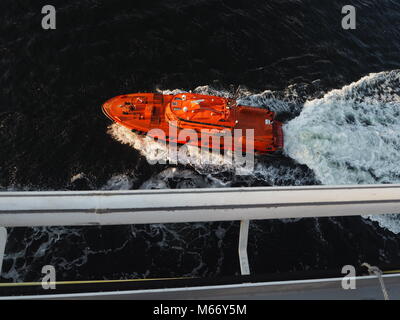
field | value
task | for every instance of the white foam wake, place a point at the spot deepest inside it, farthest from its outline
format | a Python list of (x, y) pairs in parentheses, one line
[(352, 135), (187, 155)]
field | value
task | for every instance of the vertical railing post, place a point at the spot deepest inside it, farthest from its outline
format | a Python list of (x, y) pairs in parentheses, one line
[(3, 240), (243, 238)]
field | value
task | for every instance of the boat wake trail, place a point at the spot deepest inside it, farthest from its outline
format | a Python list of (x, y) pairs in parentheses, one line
[(155, 151), (352, 135)]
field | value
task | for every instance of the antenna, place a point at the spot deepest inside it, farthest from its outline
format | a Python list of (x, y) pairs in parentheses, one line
[(237, 93), (234, 95)]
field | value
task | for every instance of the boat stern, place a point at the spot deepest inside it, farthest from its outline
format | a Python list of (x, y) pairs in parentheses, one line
[(278, 135)]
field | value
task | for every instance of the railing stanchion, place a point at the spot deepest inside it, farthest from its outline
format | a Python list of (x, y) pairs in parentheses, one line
[(243, 237), (3, 240)]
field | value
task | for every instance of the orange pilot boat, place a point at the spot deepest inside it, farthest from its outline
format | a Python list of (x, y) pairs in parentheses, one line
[(209, 116)]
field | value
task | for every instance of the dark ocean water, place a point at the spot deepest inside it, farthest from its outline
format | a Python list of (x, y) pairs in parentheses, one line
[(53, 135)]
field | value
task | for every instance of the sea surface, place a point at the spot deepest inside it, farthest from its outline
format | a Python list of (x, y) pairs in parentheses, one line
[(337, 92)]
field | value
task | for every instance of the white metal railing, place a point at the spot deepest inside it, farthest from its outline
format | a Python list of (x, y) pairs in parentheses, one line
[(72, 208)]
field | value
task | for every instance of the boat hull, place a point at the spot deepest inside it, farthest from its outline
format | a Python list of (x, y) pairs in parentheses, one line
[(200, 120)]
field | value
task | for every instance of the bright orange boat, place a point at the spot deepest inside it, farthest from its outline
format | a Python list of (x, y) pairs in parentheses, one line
[(209, 116)]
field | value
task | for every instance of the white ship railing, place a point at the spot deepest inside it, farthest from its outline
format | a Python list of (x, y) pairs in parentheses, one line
[(78, 208)]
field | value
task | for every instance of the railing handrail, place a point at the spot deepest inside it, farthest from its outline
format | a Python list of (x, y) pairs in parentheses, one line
[(48, 208)]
